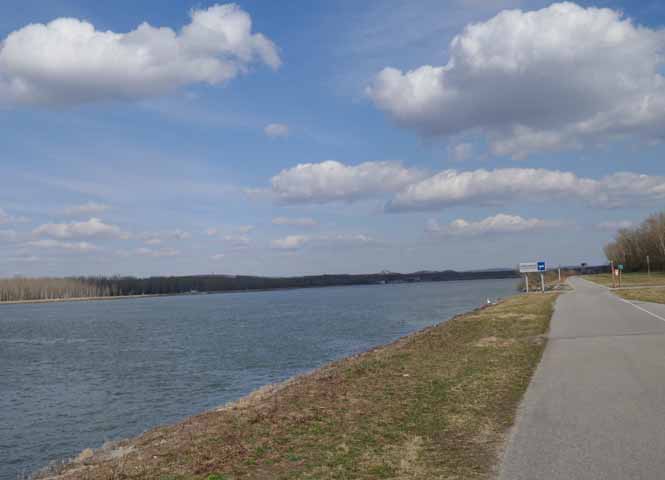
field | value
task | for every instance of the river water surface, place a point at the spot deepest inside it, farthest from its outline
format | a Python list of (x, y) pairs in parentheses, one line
[(74, 375)]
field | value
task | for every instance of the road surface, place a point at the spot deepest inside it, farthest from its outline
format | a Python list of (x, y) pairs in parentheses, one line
[(595, 408)]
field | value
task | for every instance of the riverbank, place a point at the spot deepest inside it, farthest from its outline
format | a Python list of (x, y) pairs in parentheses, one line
[(82, 299), (434, 404), (647, 294), (219, 292), (632, 279)]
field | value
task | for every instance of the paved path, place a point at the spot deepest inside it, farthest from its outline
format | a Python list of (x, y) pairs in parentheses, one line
[(596, 406)]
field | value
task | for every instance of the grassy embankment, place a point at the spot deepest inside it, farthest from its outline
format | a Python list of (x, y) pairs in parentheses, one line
[(653, 285), (436, 404), (633, 279)]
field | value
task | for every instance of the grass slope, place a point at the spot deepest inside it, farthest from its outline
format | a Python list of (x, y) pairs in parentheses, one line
[(655, 295), (629, 279), (432, 405)]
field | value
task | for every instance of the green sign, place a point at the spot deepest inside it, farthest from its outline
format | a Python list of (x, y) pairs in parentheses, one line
[(620, 267)]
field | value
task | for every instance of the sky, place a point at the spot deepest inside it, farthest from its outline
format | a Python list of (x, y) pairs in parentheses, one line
[(295, 137)]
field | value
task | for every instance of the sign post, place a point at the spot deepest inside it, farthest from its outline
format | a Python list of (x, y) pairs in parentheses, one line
[(620, 274), (612, 272), (648, 266), (533, 267)]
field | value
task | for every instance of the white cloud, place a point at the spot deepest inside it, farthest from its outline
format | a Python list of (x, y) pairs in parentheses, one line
[(68, 61), (500, 223), (91, 228), (60, 245), (217, 257), (295, 242), (4, 217), (22, 257), (295, 222), (461, 152), (535, 81), (149, 252), (612, 226), (237, 240), (230, 231), (500, 186), (89, 208), (275, 130), (157, 238), (291, 242), (332, 181)]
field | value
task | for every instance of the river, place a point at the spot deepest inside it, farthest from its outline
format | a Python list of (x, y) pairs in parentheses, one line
[(74, 375)]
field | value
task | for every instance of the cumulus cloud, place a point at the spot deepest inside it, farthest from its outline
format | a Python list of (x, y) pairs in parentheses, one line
[(89, 208), (91, 228), (332, 181), (534, 81), (68, 61), (614, 225), (217, 257), (275, 130), (295, 242), (295, 222), (500, 223), (82, 247), (500, 186)]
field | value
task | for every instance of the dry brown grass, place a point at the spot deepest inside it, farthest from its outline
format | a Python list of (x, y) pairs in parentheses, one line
[(655, 295), (629, 279), (432, 405)]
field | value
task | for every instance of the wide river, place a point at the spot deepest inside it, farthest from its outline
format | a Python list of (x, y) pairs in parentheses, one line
[(74, 375)]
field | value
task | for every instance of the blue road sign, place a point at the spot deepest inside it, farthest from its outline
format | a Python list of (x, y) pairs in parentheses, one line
[(541, 266)]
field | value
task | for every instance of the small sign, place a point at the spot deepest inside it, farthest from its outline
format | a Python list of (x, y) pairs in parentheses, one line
[(532, 267), (621, 267), (616, 272)]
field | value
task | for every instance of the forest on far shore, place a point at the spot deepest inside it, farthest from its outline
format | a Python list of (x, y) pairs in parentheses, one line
[(29, 289)]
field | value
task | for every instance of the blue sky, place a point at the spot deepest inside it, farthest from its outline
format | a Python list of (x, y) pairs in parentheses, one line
[(326, 144)]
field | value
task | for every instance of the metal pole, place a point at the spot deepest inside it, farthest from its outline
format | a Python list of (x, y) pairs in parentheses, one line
[(559, 275), (612, 272), (542, 282), (526, 282), (648, 266)]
